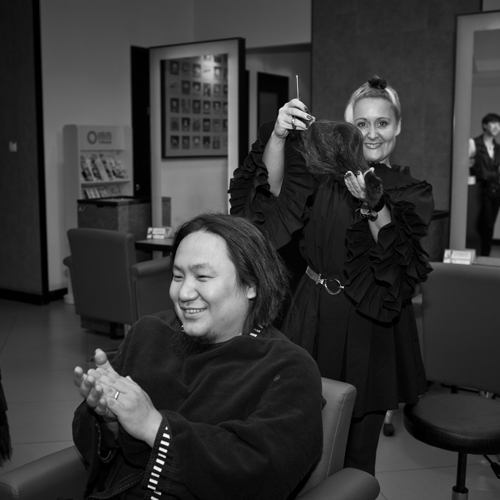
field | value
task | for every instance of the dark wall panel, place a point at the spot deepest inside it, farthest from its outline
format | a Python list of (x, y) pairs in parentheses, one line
[(411, 43), (22, 200)]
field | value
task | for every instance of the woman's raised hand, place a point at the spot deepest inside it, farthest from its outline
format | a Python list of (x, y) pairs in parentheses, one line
[(292, 116)]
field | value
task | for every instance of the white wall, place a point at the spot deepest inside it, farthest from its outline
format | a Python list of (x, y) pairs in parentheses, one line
[(86, 80), (262, 23)]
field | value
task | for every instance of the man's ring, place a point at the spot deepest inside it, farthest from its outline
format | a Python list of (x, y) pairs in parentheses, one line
[(117, 394), (293, 123)]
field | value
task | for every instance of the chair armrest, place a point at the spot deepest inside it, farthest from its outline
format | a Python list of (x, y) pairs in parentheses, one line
[(340, 398), (60, 474), (149, 267), (347, 484)]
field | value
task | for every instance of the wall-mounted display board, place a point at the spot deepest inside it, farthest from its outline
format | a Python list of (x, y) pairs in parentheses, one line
[(194, 106), (203, 106)]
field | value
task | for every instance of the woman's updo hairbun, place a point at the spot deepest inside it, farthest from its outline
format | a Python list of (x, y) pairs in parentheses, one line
[(377, 83), (377, 88)]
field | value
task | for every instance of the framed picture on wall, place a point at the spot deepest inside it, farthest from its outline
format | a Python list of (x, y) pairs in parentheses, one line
[(195, 97)]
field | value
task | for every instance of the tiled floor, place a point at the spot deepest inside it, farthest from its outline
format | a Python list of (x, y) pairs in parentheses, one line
[(40, 345), (410, 470)]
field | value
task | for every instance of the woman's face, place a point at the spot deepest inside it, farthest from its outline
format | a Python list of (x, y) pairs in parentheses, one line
[(376, 120)]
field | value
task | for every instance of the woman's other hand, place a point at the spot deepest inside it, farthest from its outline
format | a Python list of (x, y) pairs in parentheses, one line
[(367, 187), (292, 116), (355, 183)]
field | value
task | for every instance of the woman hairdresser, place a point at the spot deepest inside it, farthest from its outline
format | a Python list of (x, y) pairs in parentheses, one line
[(361, 221)]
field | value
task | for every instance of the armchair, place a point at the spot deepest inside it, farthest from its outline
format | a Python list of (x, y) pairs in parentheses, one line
[(63, 474), (108, 282)]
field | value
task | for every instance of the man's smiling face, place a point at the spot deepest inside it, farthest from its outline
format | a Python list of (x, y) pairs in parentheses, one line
[(205, 291)]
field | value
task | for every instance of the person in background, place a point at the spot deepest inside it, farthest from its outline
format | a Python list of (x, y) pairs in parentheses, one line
[(207, 401), (361, 221), (5, 441), (484, 153)]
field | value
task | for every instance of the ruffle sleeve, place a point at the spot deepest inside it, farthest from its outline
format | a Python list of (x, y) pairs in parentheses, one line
[(249, 190), (383, 275), (250, 195)]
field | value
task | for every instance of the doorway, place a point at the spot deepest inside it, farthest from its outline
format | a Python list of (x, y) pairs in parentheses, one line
[(272, 93), (141, 135)]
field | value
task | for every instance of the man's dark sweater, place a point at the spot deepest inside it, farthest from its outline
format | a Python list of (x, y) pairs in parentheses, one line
[(240, 420)]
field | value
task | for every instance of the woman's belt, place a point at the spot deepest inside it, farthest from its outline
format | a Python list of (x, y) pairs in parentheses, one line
[(323, 281)]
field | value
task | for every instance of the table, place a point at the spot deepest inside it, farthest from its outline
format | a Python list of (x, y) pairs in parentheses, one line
[(155, 245)]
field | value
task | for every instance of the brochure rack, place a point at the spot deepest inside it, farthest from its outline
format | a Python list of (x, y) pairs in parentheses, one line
[(97, 164)]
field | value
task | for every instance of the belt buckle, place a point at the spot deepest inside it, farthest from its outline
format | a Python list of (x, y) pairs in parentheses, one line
[(318, 280), (330, 291)]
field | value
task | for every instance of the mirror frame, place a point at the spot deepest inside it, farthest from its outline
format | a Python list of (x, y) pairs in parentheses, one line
[(467, 25)]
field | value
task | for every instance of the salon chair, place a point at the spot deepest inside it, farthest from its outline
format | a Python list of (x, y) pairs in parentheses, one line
[(108, 282), (461, 346), (62, 474)]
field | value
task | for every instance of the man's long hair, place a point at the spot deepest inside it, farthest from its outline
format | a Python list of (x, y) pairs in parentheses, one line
[(256, 261)]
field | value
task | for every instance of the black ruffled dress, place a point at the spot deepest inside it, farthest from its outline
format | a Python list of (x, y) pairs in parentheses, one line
[(366, 334)]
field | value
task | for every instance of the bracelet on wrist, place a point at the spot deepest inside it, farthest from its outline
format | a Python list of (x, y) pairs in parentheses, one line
[(380, 204), (368, 212)]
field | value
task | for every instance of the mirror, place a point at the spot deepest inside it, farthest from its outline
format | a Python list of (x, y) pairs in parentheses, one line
[(474, 33)]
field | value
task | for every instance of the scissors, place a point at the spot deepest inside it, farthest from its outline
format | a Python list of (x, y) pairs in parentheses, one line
[(298, 97)]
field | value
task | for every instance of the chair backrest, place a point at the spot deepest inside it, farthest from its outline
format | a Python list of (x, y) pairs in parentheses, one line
[(336, 415), (461, 325), (100, 274)]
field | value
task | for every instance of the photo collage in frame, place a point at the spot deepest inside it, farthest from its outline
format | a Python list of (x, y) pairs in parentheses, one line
[(195, 106)]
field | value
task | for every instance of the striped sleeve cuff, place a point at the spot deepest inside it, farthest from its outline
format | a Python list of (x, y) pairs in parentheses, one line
[(160, 464)]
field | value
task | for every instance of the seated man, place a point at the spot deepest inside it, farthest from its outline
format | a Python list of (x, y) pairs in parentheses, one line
[(208, 401)]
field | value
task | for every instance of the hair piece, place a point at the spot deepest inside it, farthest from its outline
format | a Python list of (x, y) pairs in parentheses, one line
[(256, 261), (375, 87), (332, 148)]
